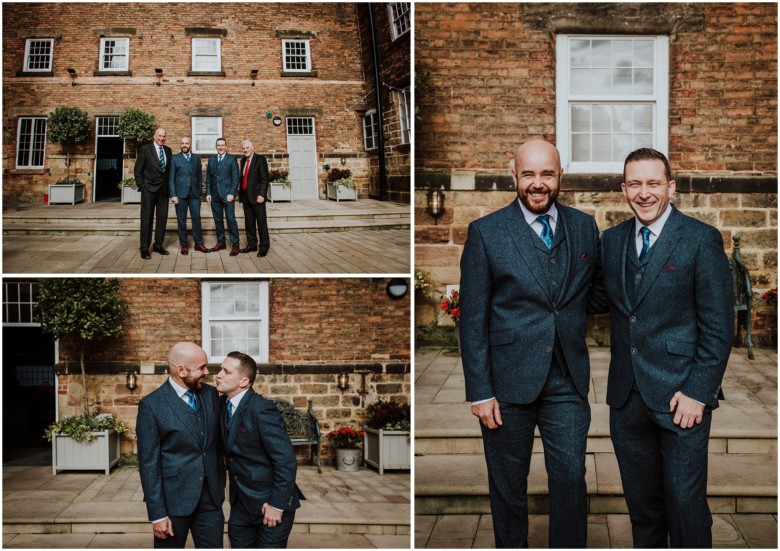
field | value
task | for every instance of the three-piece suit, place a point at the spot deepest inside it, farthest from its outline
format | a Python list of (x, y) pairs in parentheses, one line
[(221, 181), (185, 183)]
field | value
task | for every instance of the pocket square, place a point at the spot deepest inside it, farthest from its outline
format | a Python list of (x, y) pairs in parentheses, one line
[(241, 429), (583, 256), (669, 268)]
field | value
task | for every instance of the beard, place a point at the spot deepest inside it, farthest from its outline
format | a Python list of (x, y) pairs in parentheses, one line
[(538, 208)]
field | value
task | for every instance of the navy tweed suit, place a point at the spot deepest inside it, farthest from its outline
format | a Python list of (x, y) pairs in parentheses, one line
[(670, 332), (185, 184), (181, 463), (522, 337), (221, 181)]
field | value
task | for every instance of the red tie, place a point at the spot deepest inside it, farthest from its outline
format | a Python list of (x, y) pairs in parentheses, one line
[(246, 171)]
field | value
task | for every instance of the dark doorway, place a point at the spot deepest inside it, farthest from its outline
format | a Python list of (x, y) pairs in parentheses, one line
[(108, 168), (29, 389)]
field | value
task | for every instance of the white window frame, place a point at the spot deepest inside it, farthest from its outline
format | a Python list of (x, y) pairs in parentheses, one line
[(404, 115), (27, 45), (32, 287), (29, 152), (659, 99), (196, 66), (306, 44), (261, 318), (197, 133), (400, 15), (370, 121), (126, 65)]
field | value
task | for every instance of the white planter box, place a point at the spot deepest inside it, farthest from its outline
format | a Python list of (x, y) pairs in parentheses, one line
[(99, 455), (280, 192), (66, 193), (341, 193), (386, 449), (130, 195)]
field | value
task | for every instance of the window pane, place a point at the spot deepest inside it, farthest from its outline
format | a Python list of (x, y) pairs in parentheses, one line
[(622, 146), (399, 15), (601, 81), (579, 53), (643, 81), (580, 148), (622, 53), (643, 53), (602, 118), (621, 81), (621, 121), (643, 140), (601, 53), (580, 118), (602, 149), (39, 55), (580, 81), (643, 118)]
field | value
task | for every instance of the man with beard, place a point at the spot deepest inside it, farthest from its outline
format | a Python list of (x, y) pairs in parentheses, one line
[(180, 460), (526, 273), (184, 186)]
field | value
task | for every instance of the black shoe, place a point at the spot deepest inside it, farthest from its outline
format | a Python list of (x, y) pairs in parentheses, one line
[(248, 249), (160, 249), (145, 253), (262, 253)]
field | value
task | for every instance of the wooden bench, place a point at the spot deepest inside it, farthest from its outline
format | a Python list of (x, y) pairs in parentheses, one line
[(743, 297), (302, 428)]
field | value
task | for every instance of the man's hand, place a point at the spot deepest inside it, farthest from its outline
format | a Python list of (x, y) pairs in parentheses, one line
[(230, 198), (208, 199), (488, 413), (271, 517), (175, 200), (689, 411), (163, 529)]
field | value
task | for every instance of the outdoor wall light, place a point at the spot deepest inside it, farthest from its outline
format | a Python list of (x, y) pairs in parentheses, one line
[(435, 204), (326, 167), (268, 114), (73, 75), (132, 381), (363, 390), (159, 73), (397, 288), (277, 121), (253, 75), (342, 381)]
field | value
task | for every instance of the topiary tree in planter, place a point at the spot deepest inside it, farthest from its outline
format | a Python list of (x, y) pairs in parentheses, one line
[(136, 126), (67, 126), (83, 309)]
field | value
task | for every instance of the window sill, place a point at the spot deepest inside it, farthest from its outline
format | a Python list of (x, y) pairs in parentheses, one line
[(35, 73), (206, 73), (299, 73), (33, 170), (112, 73)]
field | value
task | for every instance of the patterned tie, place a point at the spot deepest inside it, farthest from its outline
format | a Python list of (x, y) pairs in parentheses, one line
[(645, 231), (191, 400), (547, 234), (230, 409), (162, 159)]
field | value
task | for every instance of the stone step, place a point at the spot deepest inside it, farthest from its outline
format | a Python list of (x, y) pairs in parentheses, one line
[(738, 428), (457, 484)]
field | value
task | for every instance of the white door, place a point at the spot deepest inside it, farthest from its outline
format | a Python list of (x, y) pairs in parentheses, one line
[(302, 149)]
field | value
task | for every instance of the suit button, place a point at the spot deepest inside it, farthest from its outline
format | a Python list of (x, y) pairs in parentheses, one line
[(639, 276), (633, 350), (554, 283), (548, 349), (555, 311), (553, 261), (632, 319)]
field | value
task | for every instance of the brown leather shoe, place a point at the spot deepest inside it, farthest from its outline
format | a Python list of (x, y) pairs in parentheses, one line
[(218, 247), (202, 249), (234, 251), (184, 250)]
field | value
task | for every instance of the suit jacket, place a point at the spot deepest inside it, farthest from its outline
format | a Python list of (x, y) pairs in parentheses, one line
[(186, 176), (257, 179), (260, 457), (223, 180), (509, 314), (174, 454), (147, 172), (676, 332)]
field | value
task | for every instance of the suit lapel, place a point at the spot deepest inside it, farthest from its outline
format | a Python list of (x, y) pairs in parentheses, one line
[(571, 242), (184, 413), (238, 415), (524, 243), (624, 242), (662, 249)]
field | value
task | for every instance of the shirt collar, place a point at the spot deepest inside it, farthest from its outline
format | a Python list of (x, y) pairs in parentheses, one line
[(180, 390), (655, 227), (237, 398), (531, 217)]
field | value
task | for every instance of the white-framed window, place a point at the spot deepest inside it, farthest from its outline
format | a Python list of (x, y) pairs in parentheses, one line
[(107, 127), (404, 115), (206, 54), (399, 13), (612, 97), (38, 54), (19, 299), (205, 131), (300, 126), (296, 56), (370, 129), (30, 142), (114, 54), (235, 317)]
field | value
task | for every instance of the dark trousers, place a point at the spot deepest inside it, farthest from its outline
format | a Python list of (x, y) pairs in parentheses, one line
[(255, 223), (154, 205), (218, 206), (246, 529), (563, 418), (664, 474), (207, 524), (193, 205)]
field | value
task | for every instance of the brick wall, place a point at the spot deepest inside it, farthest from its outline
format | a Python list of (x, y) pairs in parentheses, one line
[(319, 328), (492, 87), (251, 40)]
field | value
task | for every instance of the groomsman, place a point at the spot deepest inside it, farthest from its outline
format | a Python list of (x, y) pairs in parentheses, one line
[(152, 168), (184, 186), (221, 191), (253, 196)]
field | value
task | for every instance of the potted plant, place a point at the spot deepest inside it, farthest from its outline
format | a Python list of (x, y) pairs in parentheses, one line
[(280, 186), (347, 442), (67, 126), (82, 310), (135, 127), (450, 306), (130, 193), (387, 435), (341, 185)]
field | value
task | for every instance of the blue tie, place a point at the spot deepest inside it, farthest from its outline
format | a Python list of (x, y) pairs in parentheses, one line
[(547, 234), (187, 156), (230, 409), (162, 159), (191, 400), (645, 231)]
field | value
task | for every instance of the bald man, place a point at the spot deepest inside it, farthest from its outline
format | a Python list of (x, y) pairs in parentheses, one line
[(526, 272), (181, 465)]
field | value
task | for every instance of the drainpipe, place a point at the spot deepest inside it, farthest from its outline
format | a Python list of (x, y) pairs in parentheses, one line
[(380, 122)]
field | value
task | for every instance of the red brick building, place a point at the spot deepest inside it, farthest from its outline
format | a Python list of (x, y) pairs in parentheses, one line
[(697, 81), (302, 332), (293, 78)]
